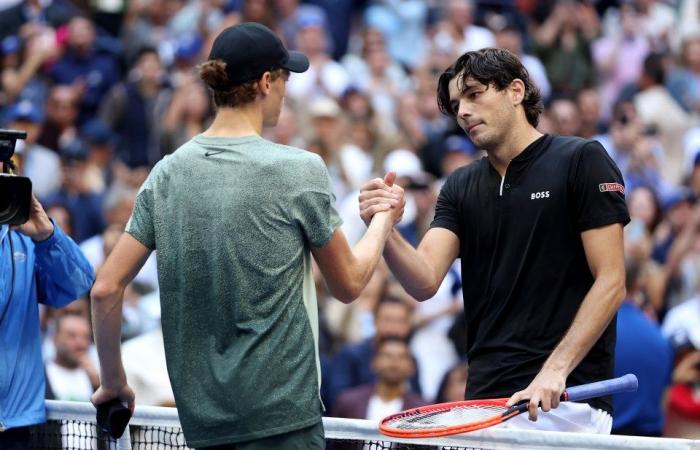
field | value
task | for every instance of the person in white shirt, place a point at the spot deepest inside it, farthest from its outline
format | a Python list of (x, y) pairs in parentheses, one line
[(71, 375)]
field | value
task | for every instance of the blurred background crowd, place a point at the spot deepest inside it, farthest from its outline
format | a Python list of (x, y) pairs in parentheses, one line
[(106, 88)]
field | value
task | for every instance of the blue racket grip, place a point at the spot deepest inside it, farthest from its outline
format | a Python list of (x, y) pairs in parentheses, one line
[(626, 383)]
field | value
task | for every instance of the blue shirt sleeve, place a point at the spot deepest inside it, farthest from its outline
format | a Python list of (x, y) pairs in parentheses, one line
[(63, 273)]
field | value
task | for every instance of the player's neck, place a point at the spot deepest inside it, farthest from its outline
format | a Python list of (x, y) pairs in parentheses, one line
[(516, 141), (236, 122)]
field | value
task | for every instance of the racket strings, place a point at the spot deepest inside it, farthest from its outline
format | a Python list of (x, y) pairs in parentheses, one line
[(446, 418)]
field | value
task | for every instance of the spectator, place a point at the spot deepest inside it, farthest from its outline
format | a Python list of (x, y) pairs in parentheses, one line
[(85, 206), (619, 56), (456, 33), (657, 108), (454, 384), (62, 107), (641, 349), (353, 363), (325, 76), (72, 375), (563, 41), (390, 393), (134, 109), (24, 57), (85, 67), (55, 13)]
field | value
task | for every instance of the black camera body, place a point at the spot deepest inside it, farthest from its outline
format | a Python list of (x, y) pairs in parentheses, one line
[(15, 192)]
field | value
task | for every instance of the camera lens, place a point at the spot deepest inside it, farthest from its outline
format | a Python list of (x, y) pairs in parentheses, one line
[(7, 206)]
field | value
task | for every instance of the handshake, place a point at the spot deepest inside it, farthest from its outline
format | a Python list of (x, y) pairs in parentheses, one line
[(382, 196)]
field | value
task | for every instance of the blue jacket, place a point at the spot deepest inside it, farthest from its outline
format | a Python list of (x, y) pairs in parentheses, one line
[(53, 272), (642, 350)]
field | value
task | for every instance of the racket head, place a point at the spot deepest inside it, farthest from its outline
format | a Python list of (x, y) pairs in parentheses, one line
[(444, 419)]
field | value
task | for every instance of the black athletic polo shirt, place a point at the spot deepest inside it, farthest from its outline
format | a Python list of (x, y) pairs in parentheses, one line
[(524, 269)]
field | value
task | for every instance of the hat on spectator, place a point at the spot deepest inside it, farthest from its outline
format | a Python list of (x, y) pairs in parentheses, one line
[(25, 111), (460, 144), (75, 150), (676, 197), (188, 46), (10, 45), (407, 165), (250, 49), (310, 16), (95, 132), (324, 107)]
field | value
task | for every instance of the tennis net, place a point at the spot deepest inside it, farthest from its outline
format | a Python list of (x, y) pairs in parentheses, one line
[(71, 426)]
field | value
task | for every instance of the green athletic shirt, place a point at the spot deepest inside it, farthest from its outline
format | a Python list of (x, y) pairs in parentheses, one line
[(233, 220)]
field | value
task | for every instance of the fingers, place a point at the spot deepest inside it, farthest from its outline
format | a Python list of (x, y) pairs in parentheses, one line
[(375, 184), (389, 178)]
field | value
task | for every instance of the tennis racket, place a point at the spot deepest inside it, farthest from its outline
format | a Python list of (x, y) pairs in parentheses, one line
[(445, 419)]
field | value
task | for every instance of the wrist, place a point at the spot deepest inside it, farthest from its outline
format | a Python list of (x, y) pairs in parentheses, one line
[(44, 235)]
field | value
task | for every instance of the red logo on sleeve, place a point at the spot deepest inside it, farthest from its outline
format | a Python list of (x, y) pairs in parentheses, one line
[(611, 187)]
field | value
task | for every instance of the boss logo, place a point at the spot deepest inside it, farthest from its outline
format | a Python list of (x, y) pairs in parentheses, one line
[(543, 194)]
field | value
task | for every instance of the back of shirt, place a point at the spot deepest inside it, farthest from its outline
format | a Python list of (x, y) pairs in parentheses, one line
[(233, 220)]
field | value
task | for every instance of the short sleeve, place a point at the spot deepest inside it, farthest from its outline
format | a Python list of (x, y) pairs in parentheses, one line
[(315, 206), (140, 224), (598, 191), (447, 206)]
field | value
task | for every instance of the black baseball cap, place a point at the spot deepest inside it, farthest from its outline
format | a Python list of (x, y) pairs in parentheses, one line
[(250, 49)]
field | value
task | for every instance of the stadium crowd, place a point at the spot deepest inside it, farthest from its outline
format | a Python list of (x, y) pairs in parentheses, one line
[(106, 88)]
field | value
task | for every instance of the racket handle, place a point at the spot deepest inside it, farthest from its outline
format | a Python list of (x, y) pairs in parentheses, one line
[(626, 383)]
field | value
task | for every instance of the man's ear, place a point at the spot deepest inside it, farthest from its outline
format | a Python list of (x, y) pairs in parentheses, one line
[(265, 83), (517, 91)]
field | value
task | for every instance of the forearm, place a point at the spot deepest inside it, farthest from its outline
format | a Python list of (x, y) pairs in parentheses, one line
[(416, 276), (597, 310), (107, 324), (368, 251)]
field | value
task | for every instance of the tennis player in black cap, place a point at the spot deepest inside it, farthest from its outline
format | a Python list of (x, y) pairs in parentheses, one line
[(235, 219)]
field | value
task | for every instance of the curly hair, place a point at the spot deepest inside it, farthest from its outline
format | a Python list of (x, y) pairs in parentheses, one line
[(491, 67), (225, 94)]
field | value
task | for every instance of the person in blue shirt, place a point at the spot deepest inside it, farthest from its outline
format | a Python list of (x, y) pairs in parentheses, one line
[(38, 264), (642, 350)]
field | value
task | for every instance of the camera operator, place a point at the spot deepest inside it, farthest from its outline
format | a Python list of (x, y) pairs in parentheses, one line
[(38, 263)]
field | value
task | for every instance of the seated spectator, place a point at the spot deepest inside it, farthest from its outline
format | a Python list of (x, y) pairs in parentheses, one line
[(72, 375), (85, 206), (682, 326), (61, 108), (352, 366), (84, 66), (134, 109), (390, 393), (145, 368), (641, 349), (454, 384)]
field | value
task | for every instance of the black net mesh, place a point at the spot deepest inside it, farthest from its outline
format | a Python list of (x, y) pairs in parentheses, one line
[(78, 435)]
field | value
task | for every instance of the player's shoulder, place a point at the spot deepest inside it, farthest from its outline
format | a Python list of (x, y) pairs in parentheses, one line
[(469, 172), (569, 146)]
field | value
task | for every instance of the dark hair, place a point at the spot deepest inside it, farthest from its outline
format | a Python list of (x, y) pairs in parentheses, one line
[(389, 299), (391, 339), (491, 67), (213, 73), (654, 68)]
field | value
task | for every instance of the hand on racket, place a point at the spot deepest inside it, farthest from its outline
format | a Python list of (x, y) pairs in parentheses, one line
[(460, 417), (545, 392)]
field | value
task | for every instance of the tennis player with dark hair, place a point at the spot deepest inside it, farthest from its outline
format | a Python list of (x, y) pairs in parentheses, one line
[(538, 225), (235, 220)]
